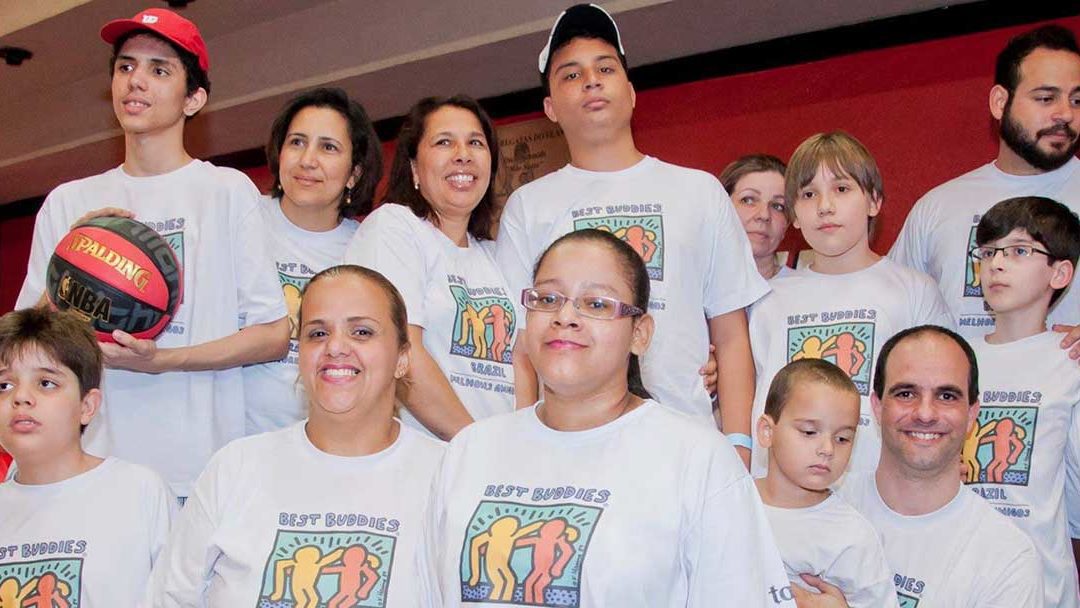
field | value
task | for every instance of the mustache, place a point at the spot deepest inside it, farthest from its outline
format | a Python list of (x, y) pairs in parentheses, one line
[(1062, 129)]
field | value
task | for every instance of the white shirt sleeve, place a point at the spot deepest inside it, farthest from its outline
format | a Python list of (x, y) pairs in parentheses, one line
[(909, 248), (930, 306), (258, 289), (387, 244), (732, 280), (732, 528), (1020, 584), (512, 251), (48, 230), (182, 573), (1072, 473)]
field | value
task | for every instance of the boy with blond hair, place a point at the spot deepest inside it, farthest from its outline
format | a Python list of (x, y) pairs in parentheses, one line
[(849, 300), (811, 416), (1021, 454)]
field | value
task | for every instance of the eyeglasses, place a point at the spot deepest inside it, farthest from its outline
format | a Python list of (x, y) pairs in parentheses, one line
[(595, 307), (985, 254)]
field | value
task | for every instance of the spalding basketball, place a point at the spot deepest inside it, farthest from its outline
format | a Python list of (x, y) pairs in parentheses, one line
[(117, 273)]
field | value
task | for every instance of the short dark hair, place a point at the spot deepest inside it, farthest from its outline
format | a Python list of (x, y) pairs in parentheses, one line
[(62, 336), (366, 147), (1052, 224), (803, 371), (195, 76), (1052, 36), (913, 332), (754, 163), (574, 34), (635, 274), (398, 312), (400, 188)]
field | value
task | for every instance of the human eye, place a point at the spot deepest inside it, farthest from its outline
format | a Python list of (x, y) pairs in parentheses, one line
[(807, 194), (808, 432), (748, 199), (1020, 251), (295, 141), (778, 206), (479, 142), (442, 141), (48, 383), (546, 300), (6, 386), (1075, 101), (571, 75), (363, 331), (843, 439), (124, 66), (598, 304), (160, 71), (330, 146), (949, 396), (317, 333), (843, 188), (904, 393)]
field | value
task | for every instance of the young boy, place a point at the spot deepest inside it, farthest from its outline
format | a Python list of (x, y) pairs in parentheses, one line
[(75, 530), (170, 403), (811, 415), (1023, 445), (850, 300)]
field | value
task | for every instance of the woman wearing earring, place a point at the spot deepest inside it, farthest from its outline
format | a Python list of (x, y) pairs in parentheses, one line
[(326, 160), (431, 239), (328, 511), (597, 495)]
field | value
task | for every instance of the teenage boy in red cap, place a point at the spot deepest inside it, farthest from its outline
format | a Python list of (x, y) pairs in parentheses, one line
[(171, 402), (679, 220)]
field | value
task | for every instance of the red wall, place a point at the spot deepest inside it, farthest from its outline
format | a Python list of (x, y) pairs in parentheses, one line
[(921, 109)]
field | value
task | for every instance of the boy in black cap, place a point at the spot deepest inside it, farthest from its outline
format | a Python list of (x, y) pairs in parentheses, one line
[(679, 220), (171, 402)]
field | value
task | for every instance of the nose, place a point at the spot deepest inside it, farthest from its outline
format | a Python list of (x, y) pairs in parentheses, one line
[(567, 315), (761, 213), (925, 411), (335, 344), (21, 396), (591, 78), (825, 446), (825, 205), (1064, 110), (136, 79), (463, 153), (309, 157)]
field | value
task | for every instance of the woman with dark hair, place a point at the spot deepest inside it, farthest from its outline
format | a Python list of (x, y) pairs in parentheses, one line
[(326, 160), (597, 494), (755, 183), (328, 511), (431, 239)]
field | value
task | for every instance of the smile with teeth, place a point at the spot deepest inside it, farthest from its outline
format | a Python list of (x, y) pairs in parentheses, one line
[(461, 178), (340, 372), (924, 435)]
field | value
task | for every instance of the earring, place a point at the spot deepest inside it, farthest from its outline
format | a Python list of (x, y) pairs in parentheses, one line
[(348, 196), (416, 185)]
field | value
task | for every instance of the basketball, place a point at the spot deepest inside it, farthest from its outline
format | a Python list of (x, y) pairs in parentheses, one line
[(119, 274)]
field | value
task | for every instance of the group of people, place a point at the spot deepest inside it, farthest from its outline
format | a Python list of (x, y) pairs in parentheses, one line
[(579, 354)]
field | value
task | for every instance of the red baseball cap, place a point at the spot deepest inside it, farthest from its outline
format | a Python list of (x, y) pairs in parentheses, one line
[(166, 24)]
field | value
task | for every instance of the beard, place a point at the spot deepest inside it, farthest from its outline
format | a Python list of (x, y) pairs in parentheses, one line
[(1027, 148)]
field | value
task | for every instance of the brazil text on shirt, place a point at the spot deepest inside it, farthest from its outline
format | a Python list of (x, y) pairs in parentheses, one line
[(541, 494), (67, 547), (330, 519)]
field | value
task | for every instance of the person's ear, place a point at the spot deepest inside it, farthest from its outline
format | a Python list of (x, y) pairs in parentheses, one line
[(644, 326), (549, 110), (89, 406), (999, 98), (195, 102), (1063, 272), (765, 425)]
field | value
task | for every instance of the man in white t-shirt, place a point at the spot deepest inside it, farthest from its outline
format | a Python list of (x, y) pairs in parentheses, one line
[(1035, 97), (946, 545), (679, 220), (171, 402)]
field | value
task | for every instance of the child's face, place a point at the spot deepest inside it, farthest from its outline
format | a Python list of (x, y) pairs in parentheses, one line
[(832, 211), (1024, 277), (41, 411), (810, 445)]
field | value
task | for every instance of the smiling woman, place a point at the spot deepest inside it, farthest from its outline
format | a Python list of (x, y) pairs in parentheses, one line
[(326, 160), (330, 508), (432, 241)]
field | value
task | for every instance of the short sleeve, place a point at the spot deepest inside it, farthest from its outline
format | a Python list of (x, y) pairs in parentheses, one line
[(512, 252), (732, 280), (909, 249), (387, 242), (259, 296), (48, 230), (730, 550)]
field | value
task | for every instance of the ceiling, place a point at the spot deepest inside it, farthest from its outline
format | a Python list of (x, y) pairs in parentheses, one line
[(56, 122)]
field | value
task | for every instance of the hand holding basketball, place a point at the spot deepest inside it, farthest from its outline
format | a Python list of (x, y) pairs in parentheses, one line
[(131, 353), (104, 212)]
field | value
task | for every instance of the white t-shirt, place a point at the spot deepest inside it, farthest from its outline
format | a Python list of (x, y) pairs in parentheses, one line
[(174, 421), (783, 271), (273, 518), (90, 540), (274, 397), (682, 223), (1016, 454), (457, 294), (940, 231), (964, 555), (651, 509), (831, 540), (844, 319)]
